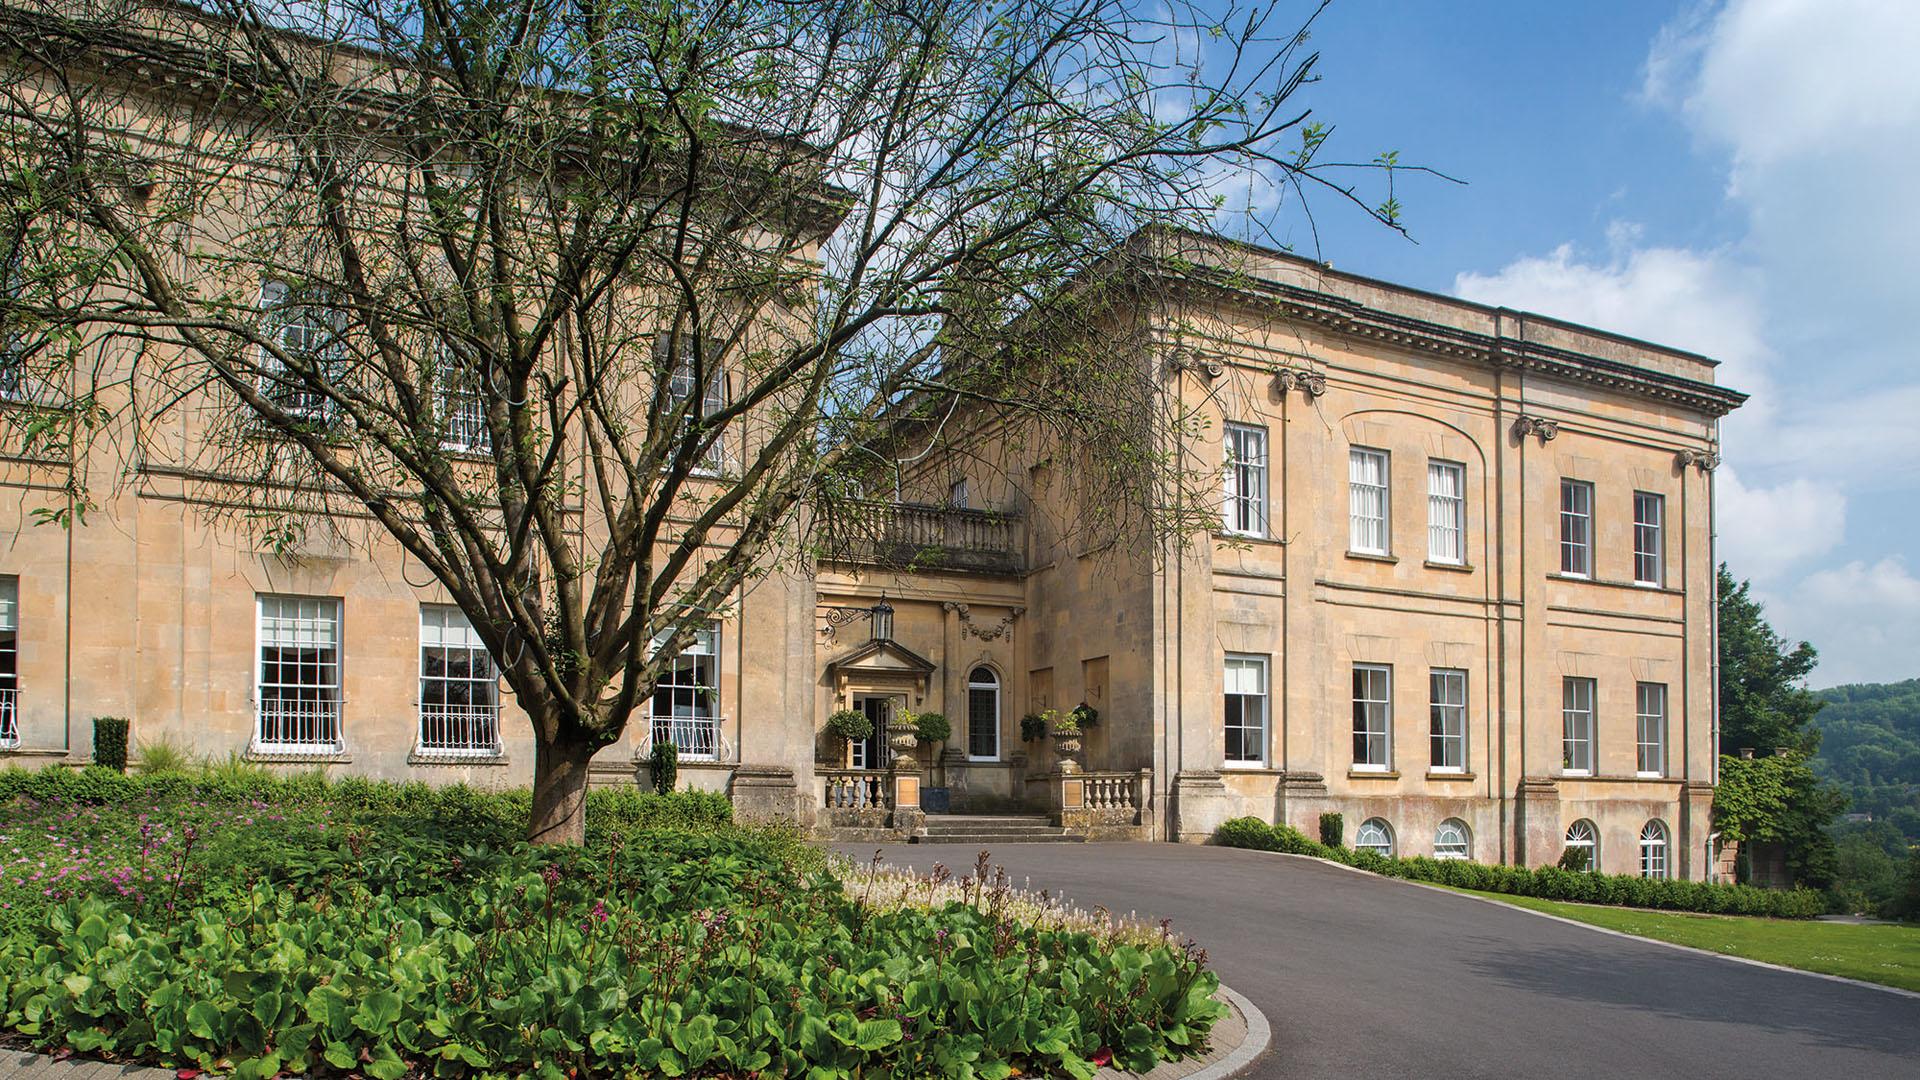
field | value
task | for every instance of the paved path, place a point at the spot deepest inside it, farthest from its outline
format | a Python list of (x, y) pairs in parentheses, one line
[(1365, 977)]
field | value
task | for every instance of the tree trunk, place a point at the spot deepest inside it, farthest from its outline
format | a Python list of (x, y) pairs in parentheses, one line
[(560, 792)]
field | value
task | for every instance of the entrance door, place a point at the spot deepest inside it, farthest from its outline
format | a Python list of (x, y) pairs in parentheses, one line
[(866, 753)]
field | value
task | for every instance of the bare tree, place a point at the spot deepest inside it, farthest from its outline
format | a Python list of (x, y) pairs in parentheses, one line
[(590, 305)]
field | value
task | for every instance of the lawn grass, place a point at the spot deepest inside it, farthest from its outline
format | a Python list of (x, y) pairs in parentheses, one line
[(1886, 954)]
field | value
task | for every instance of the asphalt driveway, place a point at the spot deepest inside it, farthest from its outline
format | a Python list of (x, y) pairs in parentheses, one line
[(1365, 977)]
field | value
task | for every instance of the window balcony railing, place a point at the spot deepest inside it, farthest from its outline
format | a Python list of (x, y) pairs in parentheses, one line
[(298, 725), (915, 535), (466, 730), (9, 718), (698, 738)]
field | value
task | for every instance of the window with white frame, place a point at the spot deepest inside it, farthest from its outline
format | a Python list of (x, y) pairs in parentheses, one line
[(1649, 538), (1650, 724), (298, 694), (1246, 709), (957, 494), (1653, 850), (15, 382), (1576, 726), (1576, 528), (463, 409), (681, 388), (1585, 839), (1367, 497), (1246, 494), (311, 331), (9, 663), (685, 710), (1453, 840), (1447, 512), (1375, 835), (459, 688), (1447, 693), (983, 715), (1372, 716)]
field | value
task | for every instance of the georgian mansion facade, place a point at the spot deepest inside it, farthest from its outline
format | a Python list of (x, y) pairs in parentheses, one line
[(1460, 591)]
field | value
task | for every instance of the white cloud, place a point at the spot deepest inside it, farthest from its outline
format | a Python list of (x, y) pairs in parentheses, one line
[(1863, 617), (1764, 531)]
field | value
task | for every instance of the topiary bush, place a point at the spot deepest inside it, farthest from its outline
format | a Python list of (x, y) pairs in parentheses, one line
[(664, 766), (850, 725), (1333, 830), (1546, 882), (110, 742), (931, 727)]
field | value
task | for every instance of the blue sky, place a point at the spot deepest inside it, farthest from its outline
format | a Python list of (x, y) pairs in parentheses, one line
[(1734, 177)]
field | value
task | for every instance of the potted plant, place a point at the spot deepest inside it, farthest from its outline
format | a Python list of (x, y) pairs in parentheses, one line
[(1033, 727), (849, 726), (1066, 739), (930, 729), (1085, 715)]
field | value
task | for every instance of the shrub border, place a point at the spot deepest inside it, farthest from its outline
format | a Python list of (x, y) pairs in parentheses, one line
[(1545, 883)]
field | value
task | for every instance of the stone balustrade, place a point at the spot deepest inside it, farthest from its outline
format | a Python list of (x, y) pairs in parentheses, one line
[(855, 789)]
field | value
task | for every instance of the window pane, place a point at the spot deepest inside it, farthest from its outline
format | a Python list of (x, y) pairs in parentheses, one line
[(1446, 512), (1577, 725), (1244, 709), (1651, 726), (983, 714), (298, 696), (9, 662), (459, 688), (1372, 716), (685, 710), (1649, 540), (1367, 500), (1246, 480), (1448, 719), (1576, 527)]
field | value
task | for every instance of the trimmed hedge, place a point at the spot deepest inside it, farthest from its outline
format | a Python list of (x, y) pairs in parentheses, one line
[(1546, 882), (110, 742), (503, 814)]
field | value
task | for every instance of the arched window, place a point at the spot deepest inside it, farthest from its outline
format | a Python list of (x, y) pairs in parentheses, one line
[(1653, 850), (983, 715), (1453, 840), (1375, 835), (1584, 838)]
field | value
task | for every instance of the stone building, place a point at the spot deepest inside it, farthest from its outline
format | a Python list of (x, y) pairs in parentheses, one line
[(1459, 589), (1460, 592)]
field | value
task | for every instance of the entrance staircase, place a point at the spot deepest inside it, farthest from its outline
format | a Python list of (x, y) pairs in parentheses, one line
[(990, 829)]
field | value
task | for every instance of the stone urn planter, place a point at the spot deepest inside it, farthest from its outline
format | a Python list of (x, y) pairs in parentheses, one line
[(1066, 749), (903, 739)]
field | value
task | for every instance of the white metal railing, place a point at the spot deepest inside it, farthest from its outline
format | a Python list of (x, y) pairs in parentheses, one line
[(855, 789), (10, 718), (460, 729), (298, 725), (700, 738)]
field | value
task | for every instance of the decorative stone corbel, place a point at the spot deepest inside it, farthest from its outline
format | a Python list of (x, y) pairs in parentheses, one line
[(1547, 430), (1704, 460), (1288, 379), (1188, 360)]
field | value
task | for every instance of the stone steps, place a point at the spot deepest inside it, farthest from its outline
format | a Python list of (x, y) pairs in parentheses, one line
[(988, 829)]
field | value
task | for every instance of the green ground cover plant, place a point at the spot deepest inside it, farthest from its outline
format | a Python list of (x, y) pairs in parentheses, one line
[(227, 920), (1875, 952), (1546, 882)]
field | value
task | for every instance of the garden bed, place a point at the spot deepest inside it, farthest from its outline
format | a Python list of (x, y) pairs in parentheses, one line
[(261, 926)]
